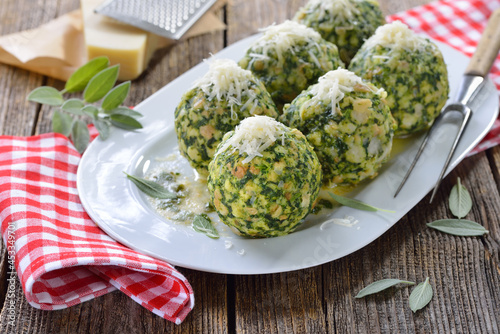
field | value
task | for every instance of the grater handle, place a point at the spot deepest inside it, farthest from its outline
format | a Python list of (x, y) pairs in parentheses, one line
[(487, 49)]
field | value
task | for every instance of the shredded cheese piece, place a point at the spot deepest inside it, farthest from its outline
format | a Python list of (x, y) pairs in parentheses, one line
[(332, 87), (285, 37), (338, 10), (253, 136), (225, 80), (396, 34), (348, 221)]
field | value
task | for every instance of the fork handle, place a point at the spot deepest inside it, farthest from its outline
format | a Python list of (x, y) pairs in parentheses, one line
[(487, 49)]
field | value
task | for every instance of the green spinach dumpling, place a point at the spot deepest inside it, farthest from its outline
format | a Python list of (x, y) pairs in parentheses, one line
[(288, 58), (345, 23), (411, 69), (264, 178), (348, 123), (218, 101)]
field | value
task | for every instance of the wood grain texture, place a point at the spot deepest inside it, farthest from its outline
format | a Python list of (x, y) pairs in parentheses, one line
[(280, 303), (17, 116), (464, 272), (260, 15)]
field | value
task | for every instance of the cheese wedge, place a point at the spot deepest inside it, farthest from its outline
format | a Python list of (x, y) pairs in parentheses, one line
[(128, 46)]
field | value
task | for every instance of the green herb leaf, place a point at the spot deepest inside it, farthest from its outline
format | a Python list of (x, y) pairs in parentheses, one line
[(125, 111), (116, 96), (459, 201), (151, 188), (125, 122), (355, 204), (81, 77), (73, 106), (91, 111), (46, 95), (103, 127), (381, 285), (421, 296), (460, 227), (101, 84), (203, 224), (97, 81), (62, 123), (80, 135)]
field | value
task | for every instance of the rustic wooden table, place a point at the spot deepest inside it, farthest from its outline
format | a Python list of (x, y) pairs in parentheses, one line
[(464, 272)]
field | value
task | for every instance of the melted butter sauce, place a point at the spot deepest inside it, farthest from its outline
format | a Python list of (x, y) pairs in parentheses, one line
[(401, 144), (325, 202), (193, 196)]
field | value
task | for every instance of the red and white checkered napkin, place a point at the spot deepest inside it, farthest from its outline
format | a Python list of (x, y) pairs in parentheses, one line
[(61, 256), (458, 23)]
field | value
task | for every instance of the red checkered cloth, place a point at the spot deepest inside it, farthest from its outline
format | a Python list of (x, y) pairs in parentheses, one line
[(61, 256), (458, 23)]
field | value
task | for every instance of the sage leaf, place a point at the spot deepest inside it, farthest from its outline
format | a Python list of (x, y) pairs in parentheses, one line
[(381, 285), (460, 202), (101, 84), (203, 224), (91, 111), (421, 296), (125, 122), (460, 227), (116, 96), (103, 127), (80, 135), (46, 95), (151, 188), (355, 204), (81, 77), (62, 123), (73, 106), (124, 111)]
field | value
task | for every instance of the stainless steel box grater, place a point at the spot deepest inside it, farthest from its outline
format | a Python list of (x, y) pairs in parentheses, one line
[(168, 18)]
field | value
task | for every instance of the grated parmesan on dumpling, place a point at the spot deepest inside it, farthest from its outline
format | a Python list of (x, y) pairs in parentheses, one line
[(396, 34), (253, 136), (225, 80), (334, 85)]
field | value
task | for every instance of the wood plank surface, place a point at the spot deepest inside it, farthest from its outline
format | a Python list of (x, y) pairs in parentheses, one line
[(464, 272)]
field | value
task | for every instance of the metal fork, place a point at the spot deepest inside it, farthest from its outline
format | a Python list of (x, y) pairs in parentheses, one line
[(472, 81)]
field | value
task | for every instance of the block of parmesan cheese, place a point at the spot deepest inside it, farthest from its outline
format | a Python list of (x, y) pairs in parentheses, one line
[(128, 46)]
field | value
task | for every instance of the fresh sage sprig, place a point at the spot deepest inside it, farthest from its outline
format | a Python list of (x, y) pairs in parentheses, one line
[(460, 204), (356, 204), (96, 80), (381, 285), (459, 227), (419, 297), (203, 224), (151, 188)]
